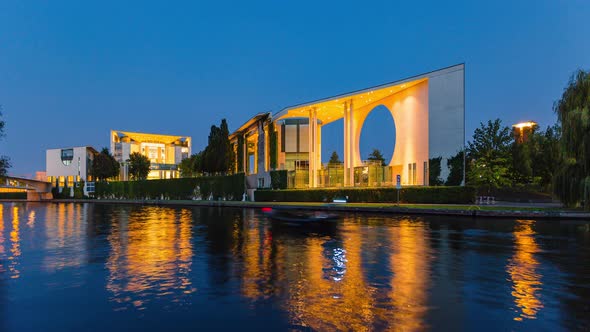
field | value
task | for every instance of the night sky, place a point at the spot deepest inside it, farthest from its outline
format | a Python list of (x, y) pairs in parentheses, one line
[(70, 71)]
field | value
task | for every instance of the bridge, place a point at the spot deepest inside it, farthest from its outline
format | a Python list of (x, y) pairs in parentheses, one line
[(36, 190)]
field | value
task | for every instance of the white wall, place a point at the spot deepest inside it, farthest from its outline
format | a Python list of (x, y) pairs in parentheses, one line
[(409, 109), (55, 167), (446, 114)]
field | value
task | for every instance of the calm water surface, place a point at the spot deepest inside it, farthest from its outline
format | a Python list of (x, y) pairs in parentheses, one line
[(80, 267)]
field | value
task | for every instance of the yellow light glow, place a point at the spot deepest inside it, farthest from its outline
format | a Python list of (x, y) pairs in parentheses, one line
[(527, 124), (148, 137), (329, 110)]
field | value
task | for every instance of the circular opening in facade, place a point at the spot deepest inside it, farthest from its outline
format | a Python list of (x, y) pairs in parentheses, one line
[(378, 132)]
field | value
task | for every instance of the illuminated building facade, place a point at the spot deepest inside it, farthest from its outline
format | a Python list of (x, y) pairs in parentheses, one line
[(165, 152), (429, 115), (68, 166)]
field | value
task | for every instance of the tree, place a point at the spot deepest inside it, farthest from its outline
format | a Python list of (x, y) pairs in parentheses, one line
[(191, 166), (104, 166), (490, 155), (455, 164), (434, 169), (334, 159), (139, 166), (572, 180), (547, 158), (186, 167), (218, 155), (376, 155), (4, 160)]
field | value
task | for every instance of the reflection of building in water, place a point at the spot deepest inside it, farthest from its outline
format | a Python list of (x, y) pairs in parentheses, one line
[(410, 263), (349, 299), (14, 244), (2, 250), (340, 301), (327, 280), (10, 251), (260, 258), (65, 228), (151, 256), (522, 267)]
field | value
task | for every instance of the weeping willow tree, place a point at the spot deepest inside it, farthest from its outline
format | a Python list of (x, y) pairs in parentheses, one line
[(572, 181)]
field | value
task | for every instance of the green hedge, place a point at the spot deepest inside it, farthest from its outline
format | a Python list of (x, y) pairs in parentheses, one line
[(427, 195), (278, 179), (230, 187), (13, 195)]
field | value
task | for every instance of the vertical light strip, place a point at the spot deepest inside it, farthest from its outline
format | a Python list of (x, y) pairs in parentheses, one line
[(351, 142), (346, 180)]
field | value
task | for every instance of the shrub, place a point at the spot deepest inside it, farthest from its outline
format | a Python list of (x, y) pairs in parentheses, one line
[(278, 179), (431, 195), (230, 187), (15, 195), (79, 190)]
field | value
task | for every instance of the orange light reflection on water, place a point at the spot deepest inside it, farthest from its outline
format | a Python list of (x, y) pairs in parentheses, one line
[(522, 267), (15, 245), (2, 250), (151, 256), (349, 301), (65, 228), (410, 262)]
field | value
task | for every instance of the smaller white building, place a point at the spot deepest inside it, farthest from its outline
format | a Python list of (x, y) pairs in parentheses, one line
[(66, 167)]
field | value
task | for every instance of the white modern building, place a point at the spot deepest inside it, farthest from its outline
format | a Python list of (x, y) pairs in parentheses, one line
[(66, 167), (429, 115), (165, 152)]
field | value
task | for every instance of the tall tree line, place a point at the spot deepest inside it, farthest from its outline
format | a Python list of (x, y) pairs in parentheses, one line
[(217, 158)]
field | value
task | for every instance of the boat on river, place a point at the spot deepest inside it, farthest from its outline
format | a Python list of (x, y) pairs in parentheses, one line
[(300, 217)]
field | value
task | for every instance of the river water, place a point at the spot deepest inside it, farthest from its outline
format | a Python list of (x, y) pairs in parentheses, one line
[(81, 267)]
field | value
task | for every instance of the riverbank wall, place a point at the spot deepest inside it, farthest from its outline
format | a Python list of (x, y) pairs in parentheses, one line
[(381, 208)]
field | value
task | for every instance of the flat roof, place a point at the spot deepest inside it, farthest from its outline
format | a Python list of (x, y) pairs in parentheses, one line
[(76, 147), (249, 123), (330, 108), (149, 137)]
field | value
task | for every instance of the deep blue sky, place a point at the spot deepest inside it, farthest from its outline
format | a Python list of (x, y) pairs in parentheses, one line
[(70, 71)]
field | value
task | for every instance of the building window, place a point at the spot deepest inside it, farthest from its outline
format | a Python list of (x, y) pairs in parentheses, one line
[(62, 181), (414, 173), (70, 180), (67, 155)]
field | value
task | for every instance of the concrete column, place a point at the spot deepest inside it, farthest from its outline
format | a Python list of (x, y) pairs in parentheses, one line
[(351, 143), (310, 148), (318, 153), (245, 154), (260, 147), (315, 147), (345, 157)]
